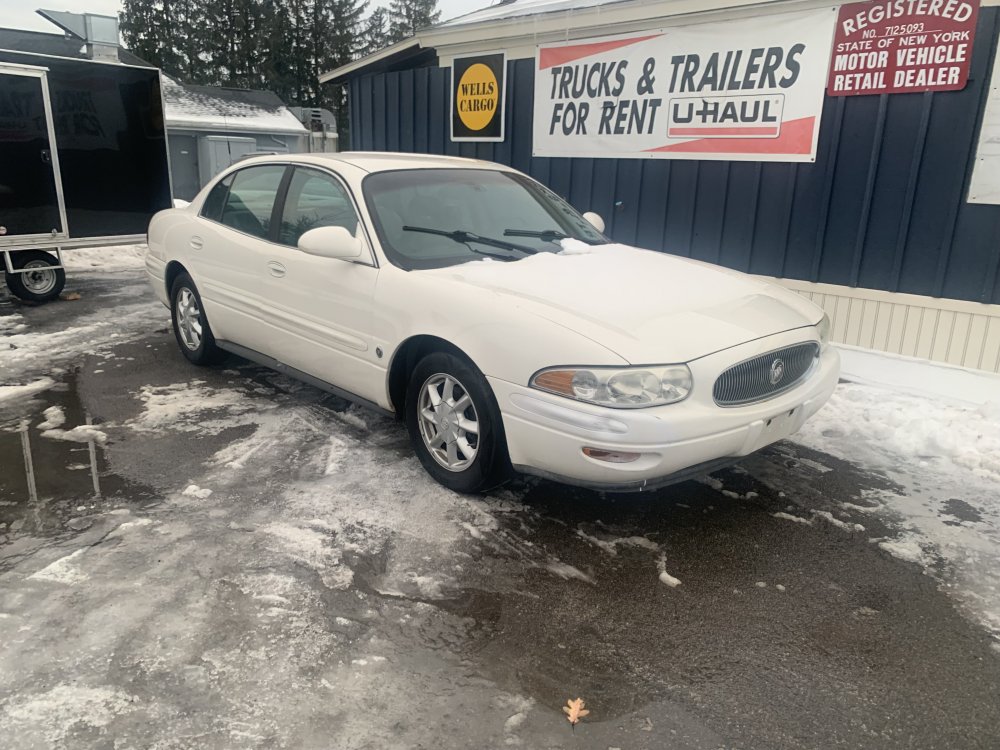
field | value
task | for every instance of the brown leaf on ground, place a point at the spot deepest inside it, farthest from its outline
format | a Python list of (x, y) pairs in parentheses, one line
[(70, 296), (575, 710)]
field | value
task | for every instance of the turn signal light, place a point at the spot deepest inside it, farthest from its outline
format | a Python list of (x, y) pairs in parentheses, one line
[(612, 457)]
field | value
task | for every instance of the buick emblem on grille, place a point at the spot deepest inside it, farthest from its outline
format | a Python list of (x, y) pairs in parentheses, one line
[(777, 371)]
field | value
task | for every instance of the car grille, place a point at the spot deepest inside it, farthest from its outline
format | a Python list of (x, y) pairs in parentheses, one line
[(765, 376)]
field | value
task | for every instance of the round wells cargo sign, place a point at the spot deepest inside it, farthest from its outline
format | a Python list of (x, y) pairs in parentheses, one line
[(477, 97)]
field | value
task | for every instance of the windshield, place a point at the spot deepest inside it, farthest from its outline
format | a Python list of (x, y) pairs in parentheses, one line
[(430, 218)]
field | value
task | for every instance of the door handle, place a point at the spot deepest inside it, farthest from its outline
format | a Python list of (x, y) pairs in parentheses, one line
[(197, 243), (275, 268), (46, 156)]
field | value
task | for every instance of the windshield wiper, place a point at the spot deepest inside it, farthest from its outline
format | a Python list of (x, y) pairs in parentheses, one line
[(545, 235), (460, 235)]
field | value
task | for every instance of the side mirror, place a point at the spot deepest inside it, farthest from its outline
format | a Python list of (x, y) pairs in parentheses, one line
[(595, 221), (330, 242)]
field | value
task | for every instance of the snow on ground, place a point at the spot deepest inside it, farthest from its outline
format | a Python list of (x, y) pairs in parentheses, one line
[(185, 407), (945, 458), (25, 348), (80, 434), (64, 570), (17, 392), (665, 577), (357, 517), (10, 324), (32, 350), (919, 376), (54, 417), (48, 717), (106, 259)]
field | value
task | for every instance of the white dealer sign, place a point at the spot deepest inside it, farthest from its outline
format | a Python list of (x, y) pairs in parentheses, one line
[(746, 90)]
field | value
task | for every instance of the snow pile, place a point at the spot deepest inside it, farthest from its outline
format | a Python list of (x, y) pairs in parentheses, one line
[(83, 433), (54, 417), (934, 379), (18, 392), (886, 427)]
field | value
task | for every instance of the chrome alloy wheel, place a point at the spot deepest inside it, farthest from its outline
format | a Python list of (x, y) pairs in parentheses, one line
[(40, 279), (188, 316), (448, 422)]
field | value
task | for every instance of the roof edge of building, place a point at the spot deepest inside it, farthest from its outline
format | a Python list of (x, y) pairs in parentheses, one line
[(355, 67), (207, 127)]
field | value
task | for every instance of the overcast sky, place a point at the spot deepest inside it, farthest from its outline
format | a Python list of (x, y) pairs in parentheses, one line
[(20, 14)]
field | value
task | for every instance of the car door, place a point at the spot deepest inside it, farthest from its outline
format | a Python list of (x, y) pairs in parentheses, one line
[(322, 307), (228, 247)]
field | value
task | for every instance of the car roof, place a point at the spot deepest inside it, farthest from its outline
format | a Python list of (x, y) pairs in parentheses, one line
[(383, 161)]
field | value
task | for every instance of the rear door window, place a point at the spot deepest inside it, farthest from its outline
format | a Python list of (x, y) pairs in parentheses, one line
[(251, 199), (315, 199), (216, 200)]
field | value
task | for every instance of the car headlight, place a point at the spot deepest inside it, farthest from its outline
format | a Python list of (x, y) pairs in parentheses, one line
[(823, 330), (621, 388)]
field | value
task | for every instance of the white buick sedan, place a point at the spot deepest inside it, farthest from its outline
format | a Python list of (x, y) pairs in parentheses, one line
[(502, 325)]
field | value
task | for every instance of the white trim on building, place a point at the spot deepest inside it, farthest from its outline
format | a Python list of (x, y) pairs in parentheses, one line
[(966, 334)]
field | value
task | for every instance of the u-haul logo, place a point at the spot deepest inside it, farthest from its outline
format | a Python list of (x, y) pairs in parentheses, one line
[(750, 116)]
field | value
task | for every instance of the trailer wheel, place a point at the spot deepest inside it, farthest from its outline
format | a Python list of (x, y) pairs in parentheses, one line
[(39, 282)]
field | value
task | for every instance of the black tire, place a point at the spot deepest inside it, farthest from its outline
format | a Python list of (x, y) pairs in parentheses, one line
[(490, 465), (41, 285), (202, 349)]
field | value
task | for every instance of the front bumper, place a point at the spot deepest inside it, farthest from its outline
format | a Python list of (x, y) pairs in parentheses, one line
[(546, 433)]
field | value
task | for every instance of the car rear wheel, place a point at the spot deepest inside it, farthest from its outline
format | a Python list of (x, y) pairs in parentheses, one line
[(454, 424), (191, 328), (39, 282)]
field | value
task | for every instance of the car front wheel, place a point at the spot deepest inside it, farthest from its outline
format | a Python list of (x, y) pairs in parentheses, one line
[(191, 329), (455, 425)]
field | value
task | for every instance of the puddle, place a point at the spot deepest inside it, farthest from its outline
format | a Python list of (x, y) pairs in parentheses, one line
[(45, 481)]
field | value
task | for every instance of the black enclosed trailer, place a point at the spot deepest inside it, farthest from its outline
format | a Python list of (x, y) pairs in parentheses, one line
[(83, 160)]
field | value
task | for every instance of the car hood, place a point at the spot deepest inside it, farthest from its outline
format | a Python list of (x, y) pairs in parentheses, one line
[(645, 306)]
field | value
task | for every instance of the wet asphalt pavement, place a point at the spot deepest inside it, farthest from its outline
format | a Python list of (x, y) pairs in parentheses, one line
[(326, 594)]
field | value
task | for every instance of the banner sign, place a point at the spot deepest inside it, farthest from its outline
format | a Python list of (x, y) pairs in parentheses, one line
[(745, 90), (900, 46), (478, 84)]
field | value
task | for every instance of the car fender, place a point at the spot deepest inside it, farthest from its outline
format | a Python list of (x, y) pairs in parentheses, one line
[(504, 341)]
